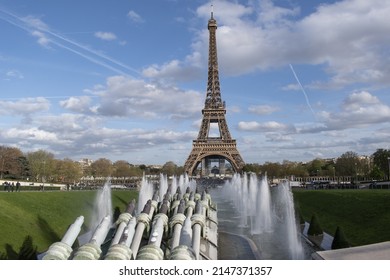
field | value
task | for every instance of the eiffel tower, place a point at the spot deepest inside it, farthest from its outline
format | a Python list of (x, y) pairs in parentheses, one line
[(207, 148)]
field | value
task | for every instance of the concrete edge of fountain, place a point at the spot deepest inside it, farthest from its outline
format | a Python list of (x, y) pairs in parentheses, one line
[(233, 246)]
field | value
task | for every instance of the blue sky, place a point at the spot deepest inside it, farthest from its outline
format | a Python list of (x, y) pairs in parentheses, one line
[(126, 79)]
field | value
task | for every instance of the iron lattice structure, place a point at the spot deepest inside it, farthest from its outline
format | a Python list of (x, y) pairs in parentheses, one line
[(205, 147)]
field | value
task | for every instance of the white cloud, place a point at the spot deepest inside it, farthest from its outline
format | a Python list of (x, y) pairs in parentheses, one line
[(360, 123), (77, 104), (67, 125), (271, 14), (265, 127), (358, 109), (43, 40), (107, 36), (33, 133), (13, 74), (278, 137), (24, 106), (35, 22), (125, 96), (294, 87), (263, 109), (174, 70), (134, 16), (348, 38), (355, 100)]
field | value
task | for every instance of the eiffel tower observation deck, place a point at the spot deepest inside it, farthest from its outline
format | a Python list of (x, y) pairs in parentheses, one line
[(209, 149)]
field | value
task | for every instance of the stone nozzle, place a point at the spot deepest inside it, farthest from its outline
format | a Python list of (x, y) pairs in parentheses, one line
[(63, 249), (169, 190), (73, 231), (198, 207), (101, 231), (155, 196), (204, 195), (130, 207), (164, 207), (182, 206), (178, 194), (167, 196), (147, 207)]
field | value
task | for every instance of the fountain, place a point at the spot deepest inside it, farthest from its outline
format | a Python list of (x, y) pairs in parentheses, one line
[(264, 214), (178, 221), (145, 193), (163, 185), (102, 206), (286, 201)]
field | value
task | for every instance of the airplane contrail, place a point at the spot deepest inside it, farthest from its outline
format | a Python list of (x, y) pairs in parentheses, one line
[(303, 90), (100, 59)]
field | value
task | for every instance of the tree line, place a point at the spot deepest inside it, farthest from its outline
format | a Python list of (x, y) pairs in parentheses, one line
[(42, 166), (349, 164)]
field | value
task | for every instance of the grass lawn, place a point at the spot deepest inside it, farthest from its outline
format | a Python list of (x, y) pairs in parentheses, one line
[(363, 215), (47, 215)]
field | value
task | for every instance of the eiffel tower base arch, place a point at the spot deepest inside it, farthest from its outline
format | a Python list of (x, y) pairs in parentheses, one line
[(205, 154), (209, 168)]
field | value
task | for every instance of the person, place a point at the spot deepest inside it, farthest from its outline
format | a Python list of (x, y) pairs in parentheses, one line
[(17, 186), (12, 186)]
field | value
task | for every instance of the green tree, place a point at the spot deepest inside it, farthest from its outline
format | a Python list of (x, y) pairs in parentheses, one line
[(68, 171), (10, 163), (169, 168), (252, 167), (142, 167), (376, 173), (121, 168), (339, 240), (42, 165), (24, 167), (102, 168), (273, 169), (381, 160), (315, 167), (348, 164), (315, 227), (291, 168)]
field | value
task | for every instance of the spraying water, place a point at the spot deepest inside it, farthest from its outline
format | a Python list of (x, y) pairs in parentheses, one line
[(263, 222), (163, 186), (287, 214), (173, 185), (103, 205), (145, 193), (266, 215)]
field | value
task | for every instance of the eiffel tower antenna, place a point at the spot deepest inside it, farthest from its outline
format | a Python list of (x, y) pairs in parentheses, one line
[(207, 148)]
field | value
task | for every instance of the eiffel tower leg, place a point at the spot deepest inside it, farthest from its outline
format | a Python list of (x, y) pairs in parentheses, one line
[(204, 167), (222, 167)]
